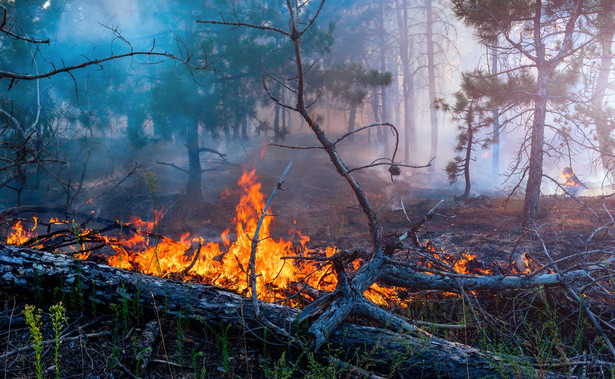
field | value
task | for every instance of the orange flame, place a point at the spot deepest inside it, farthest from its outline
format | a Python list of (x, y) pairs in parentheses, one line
[(227, 264), (20, 234), (569, 178)]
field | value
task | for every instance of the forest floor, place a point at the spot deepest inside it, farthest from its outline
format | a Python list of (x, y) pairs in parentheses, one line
[(102, 343), (112, 343)]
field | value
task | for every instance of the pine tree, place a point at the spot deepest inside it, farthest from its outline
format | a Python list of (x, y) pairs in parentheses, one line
[(542, 36)]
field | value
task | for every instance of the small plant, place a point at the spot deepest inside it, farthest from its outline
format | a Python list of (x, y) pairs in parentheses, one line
[(280, 369), (37, 283), (222, 339), (125, 307), (33, 319), (225, 352), (138, 354), (75, 229), (116, 349), (180, 339), (198, 374), (136, 303), (58, 319)]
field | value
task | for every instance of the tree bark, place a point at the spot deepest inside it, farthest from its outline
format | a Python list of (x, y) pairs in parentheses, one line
[(605, 144), (408, 80), (495, 159), (534, 180), (468, 157), (352, 115), (384, 141), (193, 187), (431, 71), (277, 132), (417, 354)]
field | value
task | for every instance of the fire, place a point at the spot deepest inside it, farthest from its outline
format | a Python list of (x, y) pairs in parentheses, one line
[(570, 179), (227, 263), (20, 234)]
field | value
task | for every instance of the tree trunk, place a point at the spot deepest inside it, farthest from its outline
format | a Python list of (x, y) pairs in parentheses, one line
[(534, 179), (276, 124), (244, 128), (193, 187), (408, 80), (605, 144), (431, 70), (385, 118), (284, 125), (384, 141), (352, 116), (415, 354), (495, 159), (376, 112), (468, 157)]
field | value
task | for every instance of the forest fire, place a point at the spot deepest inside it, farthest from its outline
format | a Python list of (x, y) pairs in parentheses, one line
[(226, 264), (569, 177)]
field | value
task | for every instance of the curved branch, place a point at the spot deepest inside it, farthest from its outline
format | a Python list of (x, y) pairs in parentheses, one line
[(68, 69)]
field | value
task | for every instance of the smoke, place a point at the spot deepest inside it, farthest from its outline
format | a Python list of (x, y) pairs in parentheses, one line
[(116, 121)]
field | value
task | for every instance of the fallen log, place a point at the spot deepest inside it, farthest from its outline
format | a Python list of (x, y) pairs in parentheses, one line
[(416, 354)]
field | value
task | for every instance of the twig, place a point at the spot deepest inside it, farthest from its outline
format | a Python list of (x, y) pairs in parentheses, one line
[(252, 269), (590, 314), (194, 259), (174, 166), (414, 228), (582, 203), (167, 362), (8, 338), (126, 371), (52, 341), (161, 334)]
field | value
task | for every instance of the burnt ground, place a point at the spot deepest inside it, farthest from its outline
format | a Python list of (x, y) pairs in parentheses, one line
[(319, 203)]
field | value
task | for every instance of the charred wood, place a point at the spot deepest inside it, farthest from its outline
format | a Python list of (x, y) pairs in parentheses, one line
[(418, 353)]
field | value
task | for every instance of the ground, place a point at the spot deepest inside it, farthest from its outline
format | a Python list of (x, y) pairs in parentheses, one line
[(316, 201)]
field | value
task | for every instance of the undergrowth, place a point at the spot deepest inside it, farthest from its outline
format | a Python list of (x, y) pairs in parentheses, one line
[(534, 332)]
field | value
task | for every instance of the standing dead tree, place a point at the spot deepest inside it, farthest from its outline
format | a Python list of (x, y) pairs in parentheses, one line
[(327, 313)]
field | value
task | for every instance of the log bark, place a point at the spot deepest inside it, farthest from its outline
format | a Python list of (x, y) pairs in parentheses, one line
[(416, 354)]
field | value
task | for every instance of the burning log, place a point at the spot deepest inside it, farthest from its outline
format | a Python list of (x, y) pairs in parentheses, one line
[(418, 353)]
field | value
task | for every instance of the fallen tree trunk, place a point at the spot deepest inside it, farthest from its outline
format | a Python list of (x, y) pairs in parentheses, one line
[(410, 355)]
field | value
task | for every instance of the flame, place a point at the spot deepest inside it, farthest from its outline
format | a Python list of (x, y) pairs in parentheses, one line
[(20, 234), (569, 178), (227, 263)]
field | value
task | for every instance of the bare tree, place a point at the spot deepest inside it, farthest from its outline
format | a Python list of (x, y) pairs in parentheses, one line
[(329, 311)]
